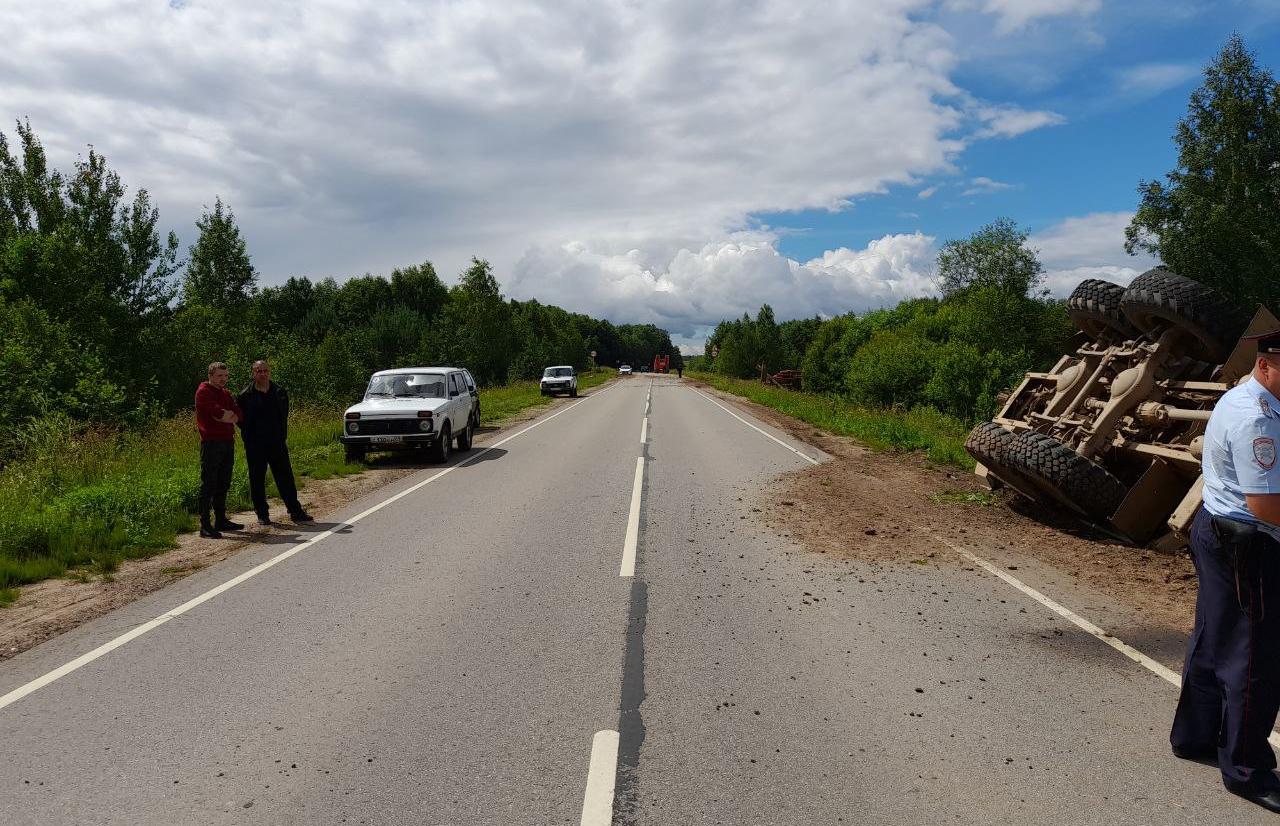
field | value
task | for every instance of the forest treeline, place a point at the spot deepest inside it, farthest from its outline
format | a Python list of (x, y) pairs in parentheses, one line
[(955, 353), (103, 321)]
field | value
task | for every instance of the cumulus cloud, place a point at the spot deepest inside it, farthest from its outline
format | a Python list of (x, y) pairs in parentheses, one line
[(361, 137), (1150, 79), (1087, 246), (687, 290), (1009, 122)]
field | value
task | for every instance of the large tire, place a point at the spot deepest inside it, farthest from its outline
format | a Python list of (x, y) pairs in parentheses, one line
[(988, 443), (1080, 483), (1159, 298), (440, 450), (1095, 308), (354, 455), (464, 438)]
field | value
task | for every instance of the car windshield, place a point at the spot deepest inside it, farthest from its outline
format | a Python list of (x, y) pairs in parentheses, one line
[(556, 372), (407, 385)]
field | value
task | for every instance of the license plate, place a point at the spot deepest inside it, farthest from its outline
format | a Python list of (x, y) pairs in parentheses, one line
[(386, 440)]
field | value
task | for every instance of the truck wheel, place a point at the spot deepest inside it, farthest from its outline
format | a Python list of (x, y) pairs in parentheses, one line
[(464, 438), (1095, 308), (355, 455), (989, 444), (1079, 483), (573, 392), (440, 450), (1159, 298)]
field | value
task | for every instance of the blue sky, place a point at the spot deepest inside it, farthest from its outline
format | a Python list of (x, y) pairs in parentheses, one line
[(663, 161), (1121, 83)]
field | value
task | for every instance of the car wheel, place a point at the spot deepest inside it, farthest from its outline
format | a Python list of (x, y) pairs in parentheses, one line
[(573, 392), (464, 438), (440, 450), (355, 455)]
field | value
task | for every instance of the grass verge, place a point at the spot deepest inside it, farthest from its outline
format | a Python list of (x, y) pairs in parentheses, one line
[(81, 501), (940, 436)]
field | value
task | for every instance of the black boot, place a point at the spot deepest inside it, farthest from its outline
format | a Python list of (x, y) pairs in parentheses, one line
[(207, 530), (225, 524)]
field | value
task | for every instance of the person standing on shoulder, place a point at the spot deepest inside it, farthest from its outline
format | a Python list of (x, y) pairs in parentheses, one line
[(265, 430), (1231, 679), (216, 415)]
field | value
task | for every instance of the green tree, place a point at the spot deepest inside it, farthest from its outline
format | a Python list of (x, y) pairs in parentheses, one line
[(995, 256), (219, 273), (1214, 218)]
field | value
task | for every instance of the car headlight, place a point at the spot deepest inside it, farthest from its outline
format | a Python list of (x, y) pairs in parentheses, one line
[(353, 427), (424, 424)]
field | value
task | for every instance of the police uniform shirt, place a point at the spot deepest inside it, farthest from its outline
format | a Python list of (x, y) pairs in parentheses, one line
[(1240, 446)]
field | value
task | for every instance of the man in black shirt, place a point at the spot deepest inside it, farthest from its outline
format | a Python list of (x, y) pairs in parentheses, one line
[(265, 431)]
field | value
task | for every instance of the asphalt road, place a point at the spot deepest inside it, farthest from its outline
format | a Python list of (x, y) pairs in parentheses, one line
[(509, 643)]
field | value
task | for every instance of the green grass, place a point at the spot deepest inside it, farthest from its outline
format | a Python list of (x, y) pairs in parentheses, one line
[(940, 436), (81, 501), (963, 497)]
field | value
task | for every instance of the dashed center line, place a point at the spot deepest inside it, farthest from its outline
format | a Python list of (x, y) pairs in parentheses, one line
[(597, 803)]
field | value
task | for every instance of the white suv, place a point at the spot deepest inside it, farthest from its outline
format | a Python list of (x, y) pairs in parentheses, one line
[(563, 379), (413, 407)]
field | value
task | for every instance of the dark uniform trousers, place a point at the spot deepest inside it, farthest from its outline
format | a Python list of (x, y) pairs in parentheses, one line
[(216, 461), (276, 457), (1231, 679)]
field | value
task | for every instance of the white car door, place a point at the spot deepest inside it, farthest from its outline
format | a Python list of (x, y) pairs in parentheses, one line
[(458, 398)]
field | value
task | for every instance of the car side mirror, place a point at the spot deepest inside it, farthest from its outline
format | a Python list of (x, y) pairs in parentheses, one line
[(453, 394)]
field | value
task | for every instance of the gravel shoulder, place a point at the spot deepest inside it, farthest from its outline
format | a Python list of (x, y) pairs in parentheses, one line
[(46, 609), (889, 509)]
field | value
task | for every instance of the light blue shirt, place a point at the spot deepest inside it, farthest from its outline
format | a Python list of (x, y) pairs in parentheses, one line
[(1240, 446)]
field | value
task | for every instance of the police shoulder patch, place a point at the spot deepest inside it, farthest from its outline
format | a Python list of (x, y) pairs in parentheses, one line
[(1264, 452)]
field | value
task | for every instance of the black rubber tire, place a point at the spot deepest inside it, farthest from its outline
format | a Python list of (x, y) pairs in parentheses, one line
[(573, 393), (1160, 298), (988, 443), (1080, 483), (465, 438), (1095, 308), (354, 455), (440, 449)]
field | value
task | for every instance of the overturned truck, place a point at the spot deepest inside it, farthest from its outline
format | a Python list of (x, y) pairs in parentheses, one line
[(1115, 430)]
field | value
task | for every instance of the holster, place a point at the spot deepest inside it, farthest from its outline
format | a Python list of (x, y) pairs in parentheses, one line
[(1241, 544)]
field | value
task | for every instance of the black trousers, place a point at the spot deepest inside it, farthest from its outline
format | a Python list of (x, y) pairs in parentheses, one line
[(1231, 680), (276, 457), (216, 461)]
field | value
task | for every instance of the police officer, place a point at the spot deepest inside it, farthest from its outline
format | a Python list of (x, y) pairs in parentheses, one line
[(265, 430), (1231, 679)]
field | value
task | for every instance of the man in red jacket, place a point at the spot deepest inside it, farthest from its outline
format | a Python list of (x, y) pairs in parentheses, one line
[(216, 415)]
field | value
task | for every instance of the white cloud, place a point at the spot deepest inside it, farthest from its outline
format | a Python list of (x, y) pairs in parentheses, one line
[(926, 194), (1150, 79), (1087, 246), (355, 137), (986, 186), (1013, 15), (686, 290), (1009, 122)]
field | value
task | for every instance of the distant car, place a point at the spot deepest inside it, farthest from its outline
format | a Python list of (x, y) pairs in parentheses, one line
[(624, 370), (413, 408), (562, 379)]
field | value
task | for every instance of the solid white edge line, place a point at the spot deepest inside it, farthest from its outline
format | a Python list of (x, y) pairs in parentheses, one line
[(644, 430), (766, 434), (106, 648), (1080, 622), (597, 801), (628, 567)]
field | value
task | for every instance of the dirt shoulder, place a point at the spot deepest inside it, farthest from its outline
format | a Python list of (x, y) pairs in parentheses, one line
[(890, 508), (46, 609)]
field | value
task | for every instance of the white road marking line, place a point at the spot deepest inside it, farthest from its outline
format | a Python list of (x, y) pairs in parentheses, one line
[(767, 435), (1160, 670), (106, 648), (644, 430), (1170, 676), (597, 803), (633, 523)]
